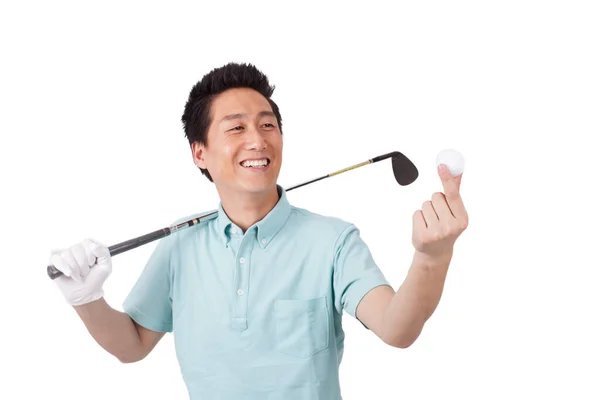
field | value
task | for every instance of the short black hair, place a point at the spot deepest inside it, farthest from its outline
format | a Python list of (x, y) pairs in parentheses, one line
[(196, 116)]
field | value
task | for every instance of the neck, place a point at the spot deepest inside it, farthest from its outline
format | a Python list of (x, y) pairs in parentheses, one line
[(246, 209)]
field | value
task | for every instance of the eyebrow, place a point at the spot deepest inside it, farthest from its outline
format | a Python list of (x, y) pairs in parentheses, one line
[(240, 116)]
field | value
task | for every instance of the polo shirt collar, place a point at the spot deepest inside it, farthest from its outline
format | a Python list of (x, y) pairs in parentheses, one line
[(267, 228)]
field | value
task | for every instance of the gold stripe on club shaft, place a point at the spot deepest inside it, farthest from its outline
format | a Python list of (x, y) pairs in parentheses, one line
[(349, 168), (193, 222)]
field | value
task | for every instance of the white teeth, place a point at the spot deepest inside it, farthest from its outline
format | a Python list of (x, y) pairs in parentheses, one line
[(255, 163)]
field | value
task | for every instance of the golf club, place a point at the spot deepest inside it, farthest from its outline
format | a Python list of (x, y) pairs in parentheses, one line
[(405, 173)]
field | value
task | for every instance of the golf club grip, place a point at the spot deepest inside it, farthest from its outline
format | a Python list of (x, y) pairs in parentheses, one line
[(118, 248), (138, 241)]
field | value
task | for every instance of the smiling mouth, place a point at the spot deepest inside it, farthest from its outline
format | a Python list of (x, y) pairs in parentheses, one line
[(259, 163)]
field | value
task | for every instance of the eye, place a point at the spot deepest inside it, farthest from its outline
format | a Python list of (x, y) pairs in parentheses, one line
[(237, 128), (269, 125)]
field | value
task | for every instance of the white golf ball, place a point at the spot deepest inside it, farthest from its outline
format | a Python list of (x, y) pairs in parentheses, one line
[(453, 159)]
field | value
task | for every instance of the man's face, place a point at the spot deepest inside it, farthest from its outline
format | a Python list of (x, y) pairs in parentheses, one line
[(243, 128)]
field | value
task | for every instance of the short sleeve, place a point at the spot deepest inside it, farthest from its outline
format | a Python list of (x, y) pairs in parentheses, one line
[(149, 303), (355, 271)]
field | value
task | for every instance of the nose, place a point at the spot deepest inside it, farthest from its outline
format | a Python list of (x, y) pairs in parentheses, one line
[(255, 139)]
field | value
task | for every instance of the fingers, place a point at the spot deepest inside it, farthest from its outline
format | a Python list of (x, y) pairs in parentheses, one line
[(77, 261), (454, 200), (87, 244), (81, 255), (69, 258), (429, 214), (440, 205), (60, 264), (97, 249), (450, 183), (419, 223)]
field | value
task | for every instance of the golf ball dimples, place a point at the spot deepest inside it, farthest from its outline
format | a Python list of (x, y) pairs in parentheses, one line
[(453, 159)]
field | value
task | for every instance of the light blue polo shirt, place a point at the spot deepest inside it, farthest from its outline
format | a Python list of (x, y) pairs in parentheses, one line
[(257, 315)]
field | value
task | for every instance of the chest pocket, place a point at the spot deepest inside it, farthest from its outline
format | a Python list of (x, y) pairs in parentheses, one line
[(302, 326)]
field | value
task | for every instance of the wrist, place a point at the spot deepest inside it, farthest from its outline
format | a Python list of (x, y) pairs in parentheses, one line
[(86, 299), (432, 261)]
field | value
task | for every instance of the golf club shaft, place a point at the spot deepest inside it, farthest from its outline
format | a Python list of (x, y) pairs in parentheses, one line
[(127, 245), (371, 161)]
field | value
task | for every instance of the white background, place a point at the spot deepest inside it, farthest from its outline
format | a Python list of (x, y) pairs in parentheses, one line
[(92, 146)]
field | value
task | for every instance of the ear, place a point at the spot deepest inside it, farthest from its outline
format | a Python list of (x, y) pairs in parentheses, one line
[(198, 154)]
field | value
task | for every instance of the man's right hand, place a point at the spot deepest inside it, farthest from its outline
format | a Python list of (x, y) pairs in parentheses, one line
[(85, 266)]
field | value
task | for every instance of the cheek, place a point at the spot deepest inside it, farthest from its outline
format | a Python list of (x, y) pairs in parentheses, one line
[(227, 156), (277, 142)]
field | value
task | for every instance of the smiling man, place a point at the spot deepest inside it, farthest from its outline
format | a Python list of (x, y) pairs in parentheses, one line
[(254, 295)]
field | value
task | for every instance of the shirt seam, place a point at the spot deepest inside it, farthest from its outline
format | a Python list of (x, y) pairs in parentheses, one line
[(333, 263)]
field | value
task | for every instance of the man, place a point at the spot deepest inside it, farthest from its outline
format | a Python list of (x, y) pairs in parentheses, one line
[(254, 295)]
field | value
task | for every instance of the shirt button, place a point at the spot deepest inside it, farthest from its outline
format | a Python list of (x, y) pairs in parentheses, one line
[(242, 260), (240, 292), (263, 241), (234, 231)]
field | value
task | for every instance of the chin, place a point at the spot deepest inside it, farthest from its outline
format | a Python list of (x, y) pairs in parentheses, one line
[(257, 186)]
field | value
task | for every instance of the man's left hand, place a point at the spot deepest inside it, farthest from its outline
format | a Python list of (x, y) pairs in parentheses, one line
[(441, 220)]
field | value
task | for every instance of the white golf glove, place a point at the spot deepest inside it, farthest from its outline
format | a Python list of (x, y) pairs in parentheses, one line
[(82, 284)]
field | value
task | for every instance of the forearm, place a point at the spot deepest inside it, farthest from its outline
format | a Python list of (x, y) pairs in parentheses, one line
[(112, 329), (416, 300)]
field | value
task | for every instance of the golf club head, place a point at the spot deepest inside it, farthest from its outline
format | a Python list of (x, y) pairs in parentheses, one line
[(405, 171)]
